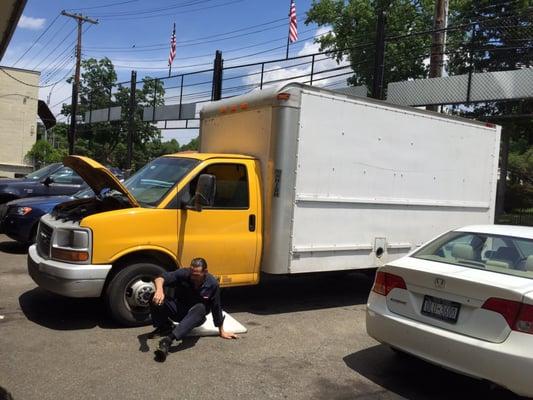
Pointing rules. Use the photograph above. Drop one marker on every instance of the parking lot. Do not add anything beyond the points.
(306, 339)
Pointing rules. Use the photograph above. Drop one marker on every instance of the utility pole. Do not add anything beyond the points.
(76, 84)
(131, 124)
(218, 68)
(436, 61)
(379, 60)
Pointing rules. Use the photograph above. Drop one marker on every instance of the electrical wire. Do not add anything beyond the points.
(46, 45)
(137, 17)
(229, 59)
(55, 48)
(36, 40)
(102, 6)
(31, 85)
(217, 35)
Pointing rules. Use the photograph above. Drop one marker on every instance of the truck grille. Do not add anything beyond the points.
(44, 239)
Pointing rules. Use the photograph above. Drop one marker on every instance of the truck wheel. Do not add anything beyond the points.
(129, 292)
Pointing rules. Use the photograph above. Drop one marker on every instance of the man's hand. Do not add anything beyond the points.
(227, 335)
(159, 295)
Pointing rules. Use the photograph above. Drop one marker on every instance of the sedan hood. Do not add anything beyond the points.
(40, 201)
(97, 176)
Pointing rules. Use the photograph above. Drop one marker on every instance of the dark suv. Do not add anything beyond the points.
(52, 180)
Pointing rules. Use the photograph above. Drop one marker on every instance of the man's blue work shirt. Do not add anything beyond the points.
(188, 295)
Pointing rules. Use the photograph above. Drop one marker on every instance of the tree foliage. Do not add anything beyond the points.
(353, 34)
(106, 142)
(42, 153)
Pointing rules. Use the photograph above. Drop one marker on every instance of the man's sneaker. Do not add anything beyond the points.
(160, 331)
(162, 352)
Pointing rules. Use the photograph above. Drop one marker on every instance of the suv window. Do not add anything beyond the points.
(65, 175)
(231, 186)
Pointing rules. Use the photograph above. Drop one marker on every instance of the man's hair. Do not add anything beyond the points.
(199, 262)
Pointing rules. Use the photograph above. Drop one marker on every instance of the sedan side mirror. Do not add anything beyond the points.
(47, 181)
(205, 192)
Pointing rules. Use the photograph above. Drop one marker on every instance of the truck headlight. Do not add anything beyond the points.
(71, 245)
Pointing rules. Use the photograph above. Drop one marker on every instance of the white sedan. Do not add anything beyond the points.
(463, 301)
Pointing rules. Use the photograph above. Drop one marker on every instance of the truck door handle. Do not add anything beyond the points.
(251, 223)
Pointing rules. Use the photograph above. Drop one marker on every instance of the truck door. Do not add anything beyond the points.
(226, 234)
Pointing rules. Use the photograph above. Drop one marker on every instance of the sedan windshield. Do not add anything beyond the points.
(152, 182)
(505, 254)
(43, 172)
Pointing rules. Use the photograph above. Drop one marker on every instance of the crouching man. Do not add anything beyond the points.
(197, 293)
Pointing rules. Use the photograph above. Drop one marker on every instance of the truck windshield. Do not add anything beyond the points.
(152, 182)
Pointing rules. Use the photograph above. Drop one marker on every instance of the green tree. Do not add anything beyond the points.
(499, 37)
(191, 146)
(42, 153)
(106, 141)
(353, 27)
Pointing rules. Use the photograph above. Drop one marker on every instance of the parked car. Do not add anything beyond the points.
(52, 180)
(19, 218)
(464, 301)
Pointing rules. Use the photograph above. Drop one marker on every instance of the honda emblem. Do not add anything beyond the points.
(440, 283)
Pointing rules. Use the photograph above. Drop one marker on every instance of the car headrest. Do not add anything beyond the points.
(463, 250)
(529, 263)
(496, 263)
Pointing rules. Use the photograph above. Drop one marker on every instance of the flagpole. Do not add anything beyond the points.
(289, 33)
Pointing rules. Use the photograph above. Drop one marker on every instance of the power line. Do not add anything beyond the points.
(187, 43)
(46, 45)
(29, 84)
(55, 48)
(102, 6)
(142, 12)
(58, 69)
(228, 51)
(118, 18)
(36, 40)
(195, 39)
(69, 46)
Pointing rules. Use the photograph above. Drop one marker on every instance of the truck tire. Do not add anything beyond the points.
(129, 291)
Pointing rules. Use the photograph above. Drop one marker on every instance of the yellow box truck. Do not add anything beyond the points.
(288, 180)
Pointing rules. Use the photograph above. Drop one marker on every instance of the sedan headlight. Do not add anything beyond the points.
(71, 245)
(22, 210)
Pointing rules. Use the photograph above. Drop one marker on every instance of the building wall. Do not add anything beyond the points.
(18, 119)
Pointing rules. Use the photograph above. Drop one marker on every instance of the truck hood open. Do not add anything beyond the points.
(97, 176)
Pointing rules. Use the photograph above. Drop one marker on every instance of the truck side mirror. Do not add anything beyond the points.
(205, 192)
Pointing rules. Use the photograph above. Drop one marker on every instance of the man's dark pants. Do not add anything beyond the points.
(188, 316)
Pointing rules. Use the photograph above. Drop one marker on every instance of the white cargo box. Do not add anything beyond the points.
(352, 182)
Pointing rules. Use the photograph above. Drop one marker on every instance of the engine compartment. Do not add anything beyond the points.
(76, 210)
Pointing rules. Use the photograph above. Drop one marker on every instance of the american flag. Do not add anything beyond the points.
(293, 28)
(172, 54)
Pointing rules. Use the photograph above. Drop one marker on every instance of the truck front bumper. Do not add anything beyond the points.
(70, 280)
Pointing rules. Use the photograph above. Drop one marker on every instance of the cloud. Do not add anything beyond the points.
(31, 23)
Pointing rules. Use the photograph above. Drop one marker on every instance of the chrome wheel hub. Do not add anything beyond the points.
(139, 293)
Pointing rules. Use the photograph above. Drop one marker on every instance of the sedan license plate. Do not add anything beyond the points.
(444, 310)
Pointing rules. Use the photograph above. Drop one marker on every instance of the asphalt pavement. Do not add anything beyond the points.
(306, 340)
